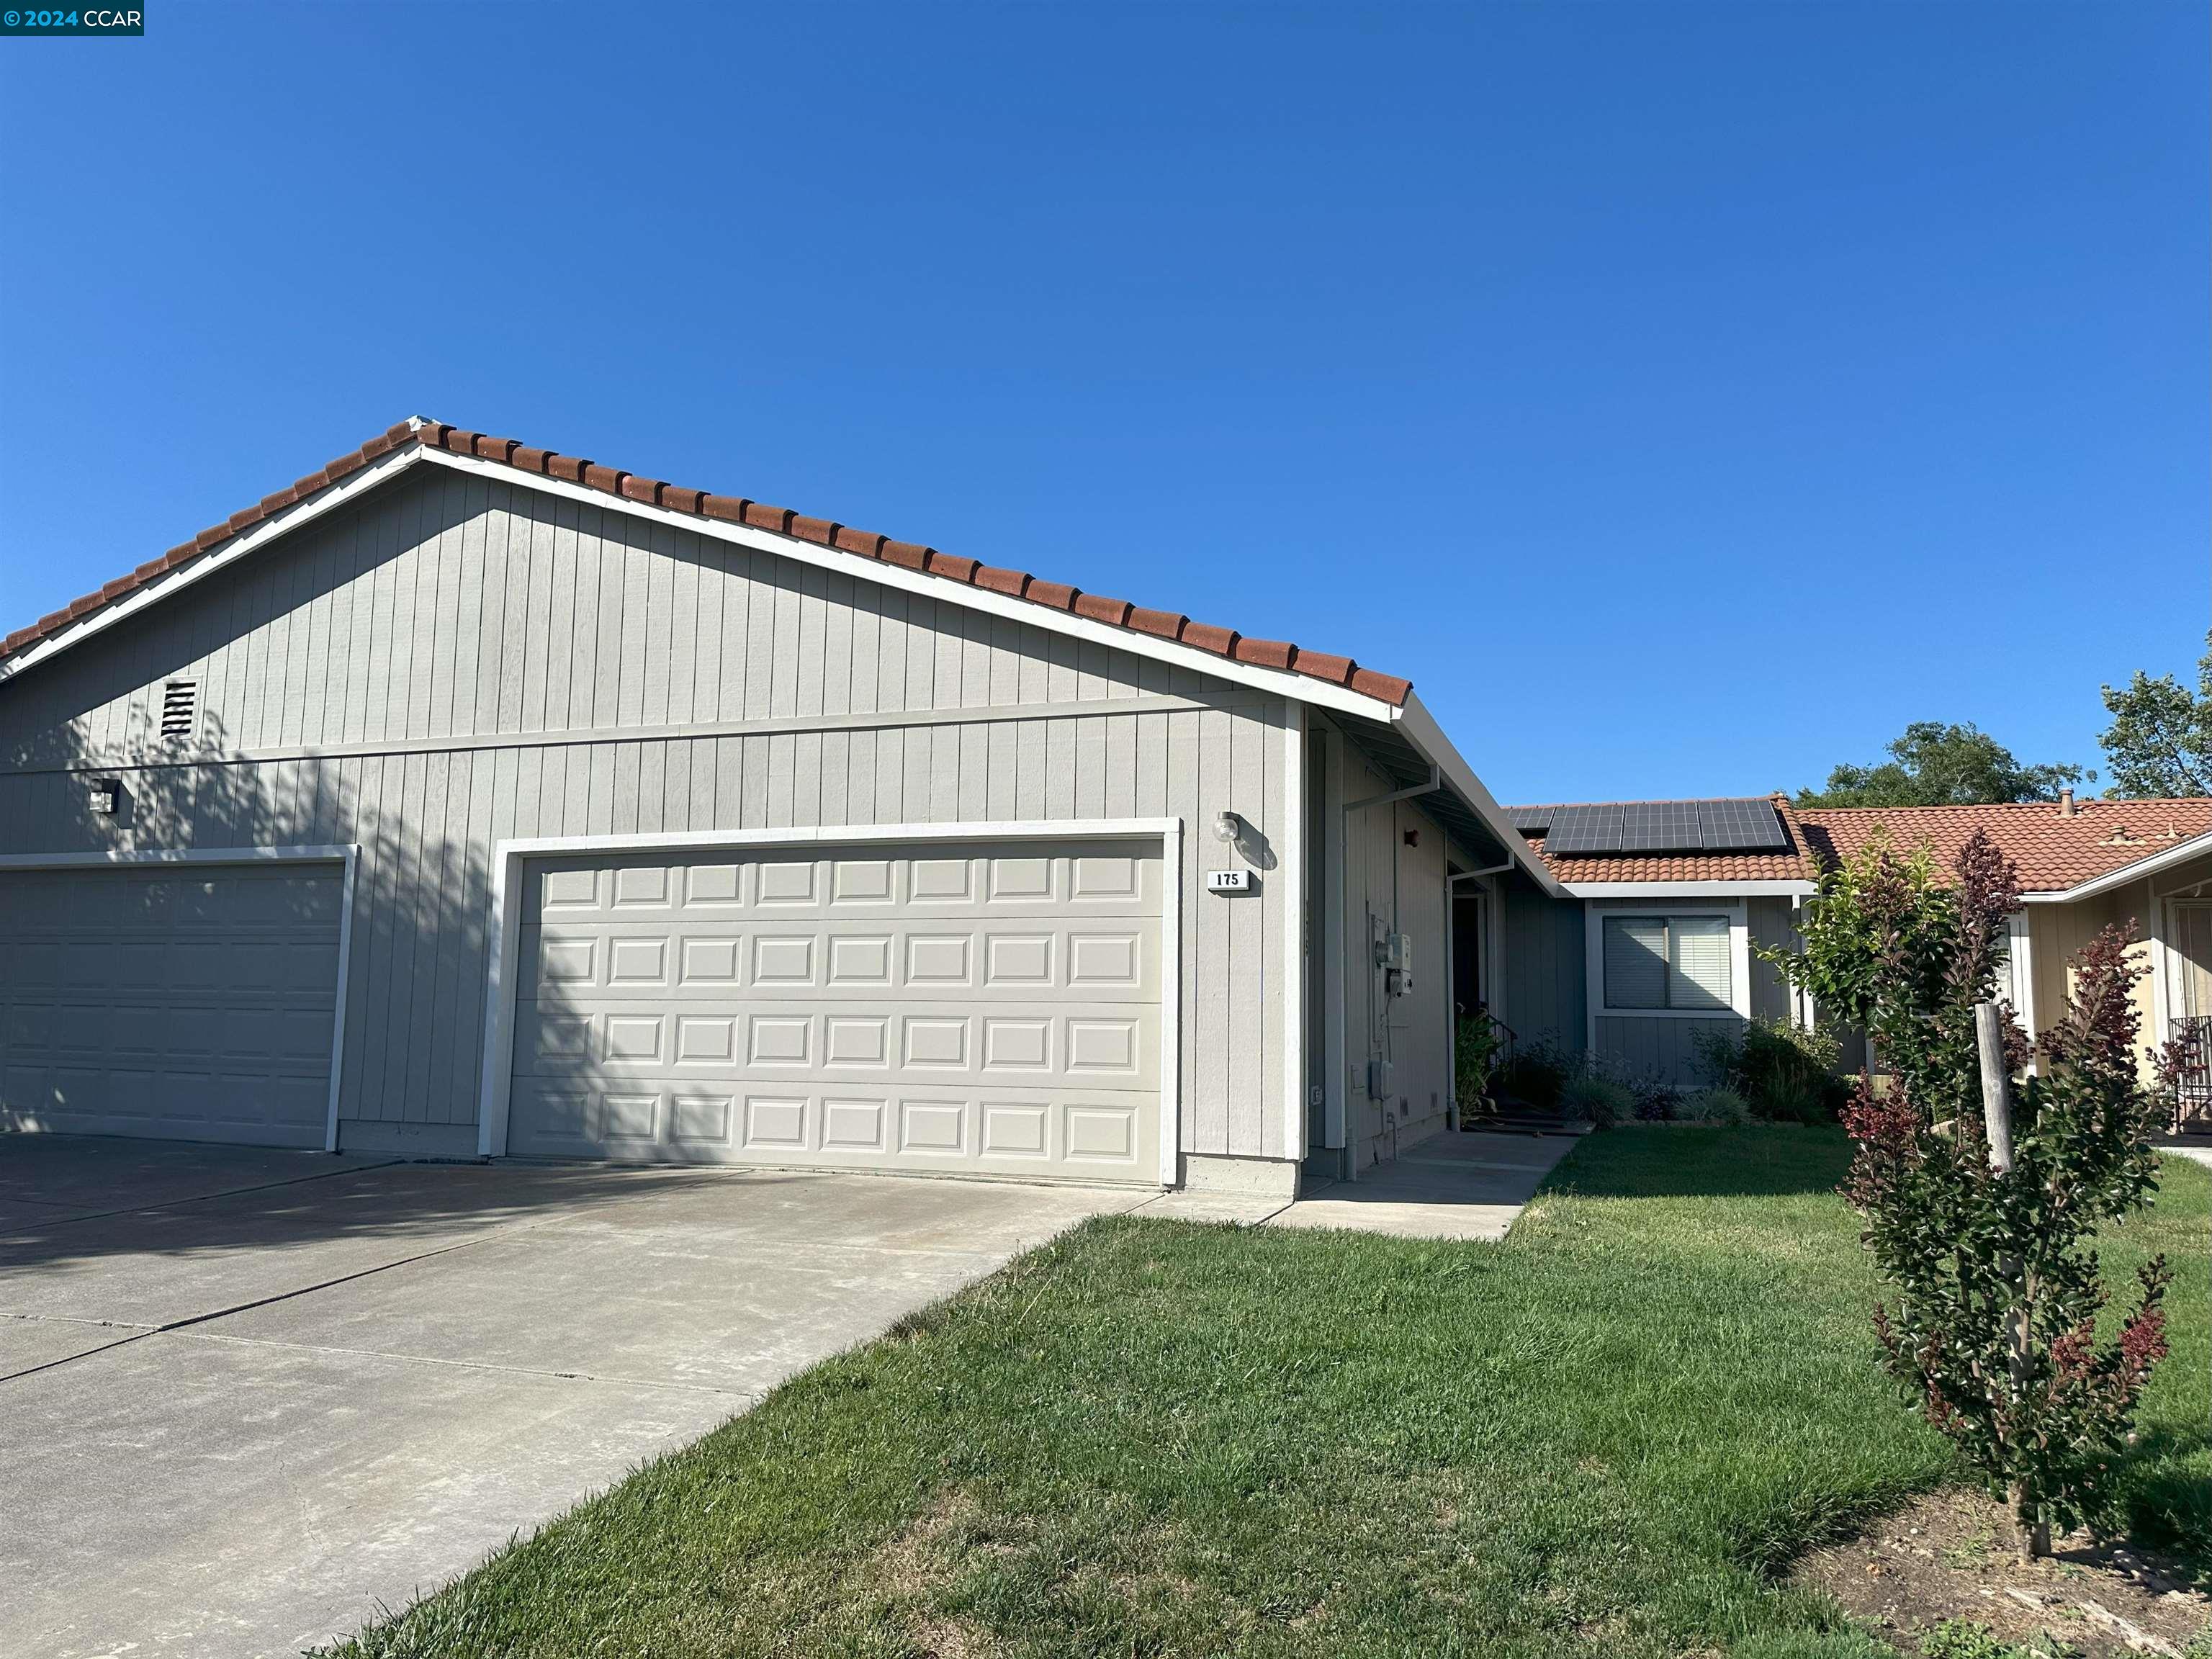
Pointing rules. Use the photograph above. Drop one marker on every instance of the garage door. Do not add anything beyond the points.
(187, 1003)
(972, 1008)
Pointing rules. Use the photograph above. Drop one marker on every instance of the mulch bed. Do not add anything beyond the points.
(1951, 1556)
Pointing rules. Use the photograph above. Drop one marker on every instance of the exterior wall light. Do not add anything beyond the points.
(1228, 828)
(104, 797)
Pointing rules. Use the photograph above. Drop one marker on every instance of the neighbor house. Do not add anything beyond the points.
(1677, 894)
(466, 798)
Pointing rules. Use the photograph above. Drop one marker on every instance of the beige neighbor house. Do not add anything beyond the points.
(462, 799)
(1668, 930)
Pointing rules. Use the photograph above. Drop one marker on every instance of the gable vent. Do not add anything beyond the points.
(180, 701)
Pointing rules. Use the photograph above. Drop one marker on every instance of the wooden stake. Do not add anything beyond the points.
(1996, 1085)
(1997, 1121)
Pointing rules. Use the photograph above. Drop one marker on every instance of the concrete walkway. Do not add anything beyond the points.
(250, 1395)
(1449, 1186)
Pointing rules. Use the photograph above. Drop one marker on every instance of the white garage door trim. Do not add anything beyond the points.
(507, 857)
(348, 856)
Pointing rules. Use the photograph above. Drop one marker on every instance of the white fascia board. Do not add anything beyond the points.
(1420, 729)
(282, 522)
(1689, 892)
(1279, 681)
(2196, 846)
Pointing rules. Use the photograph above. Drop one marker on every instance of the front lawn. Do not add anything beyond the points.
(1155, 1437)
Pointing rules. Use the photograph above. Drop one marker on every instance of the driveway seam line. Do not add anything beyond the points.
(470, 1364)
(284, 1296)
(228, 1192)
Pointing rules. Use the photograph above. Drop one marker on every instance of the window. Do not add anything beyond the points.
(1667, 962)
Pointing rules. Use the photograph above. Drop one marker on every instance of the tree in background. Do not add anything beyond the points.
(1991, 1318)
(2159, 742)
(1934, 764)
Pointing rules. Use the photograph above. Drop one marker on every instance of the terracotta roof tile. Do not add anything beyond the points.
(2054, 852)
(737, 510)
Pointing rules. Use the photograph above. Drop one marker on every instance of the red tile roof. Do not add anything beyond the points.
(2053, 852)
(1224, 643)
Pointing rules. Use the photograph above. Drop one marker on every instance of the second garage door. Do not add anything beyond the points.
(980, 1008)
(186, 1002)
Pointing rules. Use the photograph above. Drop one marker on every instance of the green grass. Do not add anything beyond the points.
(1152, 1438)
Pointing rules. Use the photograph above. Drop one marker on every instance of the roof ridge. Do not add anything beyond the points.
(1212, 639)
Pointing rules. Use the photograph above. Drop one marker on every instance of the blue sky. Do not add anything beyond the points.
(1684, 397)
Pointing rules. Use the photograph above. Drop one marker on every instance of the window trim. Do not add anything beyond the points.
(1596, 913)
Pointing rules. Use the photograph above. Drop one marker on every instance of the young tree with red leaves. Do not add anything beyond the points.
(1994, 1277)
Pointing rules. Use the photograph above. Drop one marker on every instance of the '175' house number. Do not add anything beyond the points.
(1229, 881)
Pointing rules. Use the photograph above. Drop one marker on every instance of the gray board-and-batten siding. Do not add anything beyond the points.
(450, 662)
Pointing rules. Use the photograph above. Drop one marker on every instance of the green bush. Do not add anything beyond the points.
(1474, 1060)
(1532, 1072)
(1589, 1098)
(1720, 1108)
(1785, 1074)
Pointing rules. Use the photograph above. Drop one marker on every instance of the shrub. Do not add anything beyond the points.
(1591, 1097)
(1785, 1074)
(1721, 1108)
(1992, 1327)
(1532, 1072)
(1474, 1060)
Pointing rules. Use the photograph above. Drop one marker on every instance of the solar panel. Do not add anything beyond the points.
(1660, 826)
(1584, 830)
(1663, 826)
(1741, 825)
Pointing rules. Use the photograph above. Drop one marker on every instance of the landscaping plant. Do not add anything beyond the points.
(1475, 1050)
(1992, 1322)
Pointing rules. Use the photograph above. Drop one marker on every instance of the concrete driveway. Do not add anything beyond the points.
(248, 1396)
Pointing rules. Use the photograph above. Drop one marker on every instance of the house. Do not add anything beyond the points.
(466, 798)
(1676, 894)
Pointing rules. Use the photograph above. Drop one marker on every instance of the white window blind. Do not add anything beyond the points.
(1699, 978)
(1667, 962)
(1635, 961)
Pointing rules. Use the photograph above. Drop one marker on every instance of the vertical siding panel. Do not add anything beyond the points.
(572, 655)
(867, 647)
(860, 766)
(1001, 770)
(713, 577)
(623, 807)
(426, 886)
(1090, 769)
(482, 539)
(677, 556)
(495, 700)
(752, 782)
(891, 777)
(626, 543)
(526, 615)
(809, 672)
(729, 772)
(837, 645)
(783, 783)
(1030, 770)
(652, 789)
(609, 619)
(782, 642)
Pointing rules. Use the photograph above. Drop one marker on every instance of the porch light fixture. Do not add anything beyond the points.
(1228, 828)
(105, 795)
